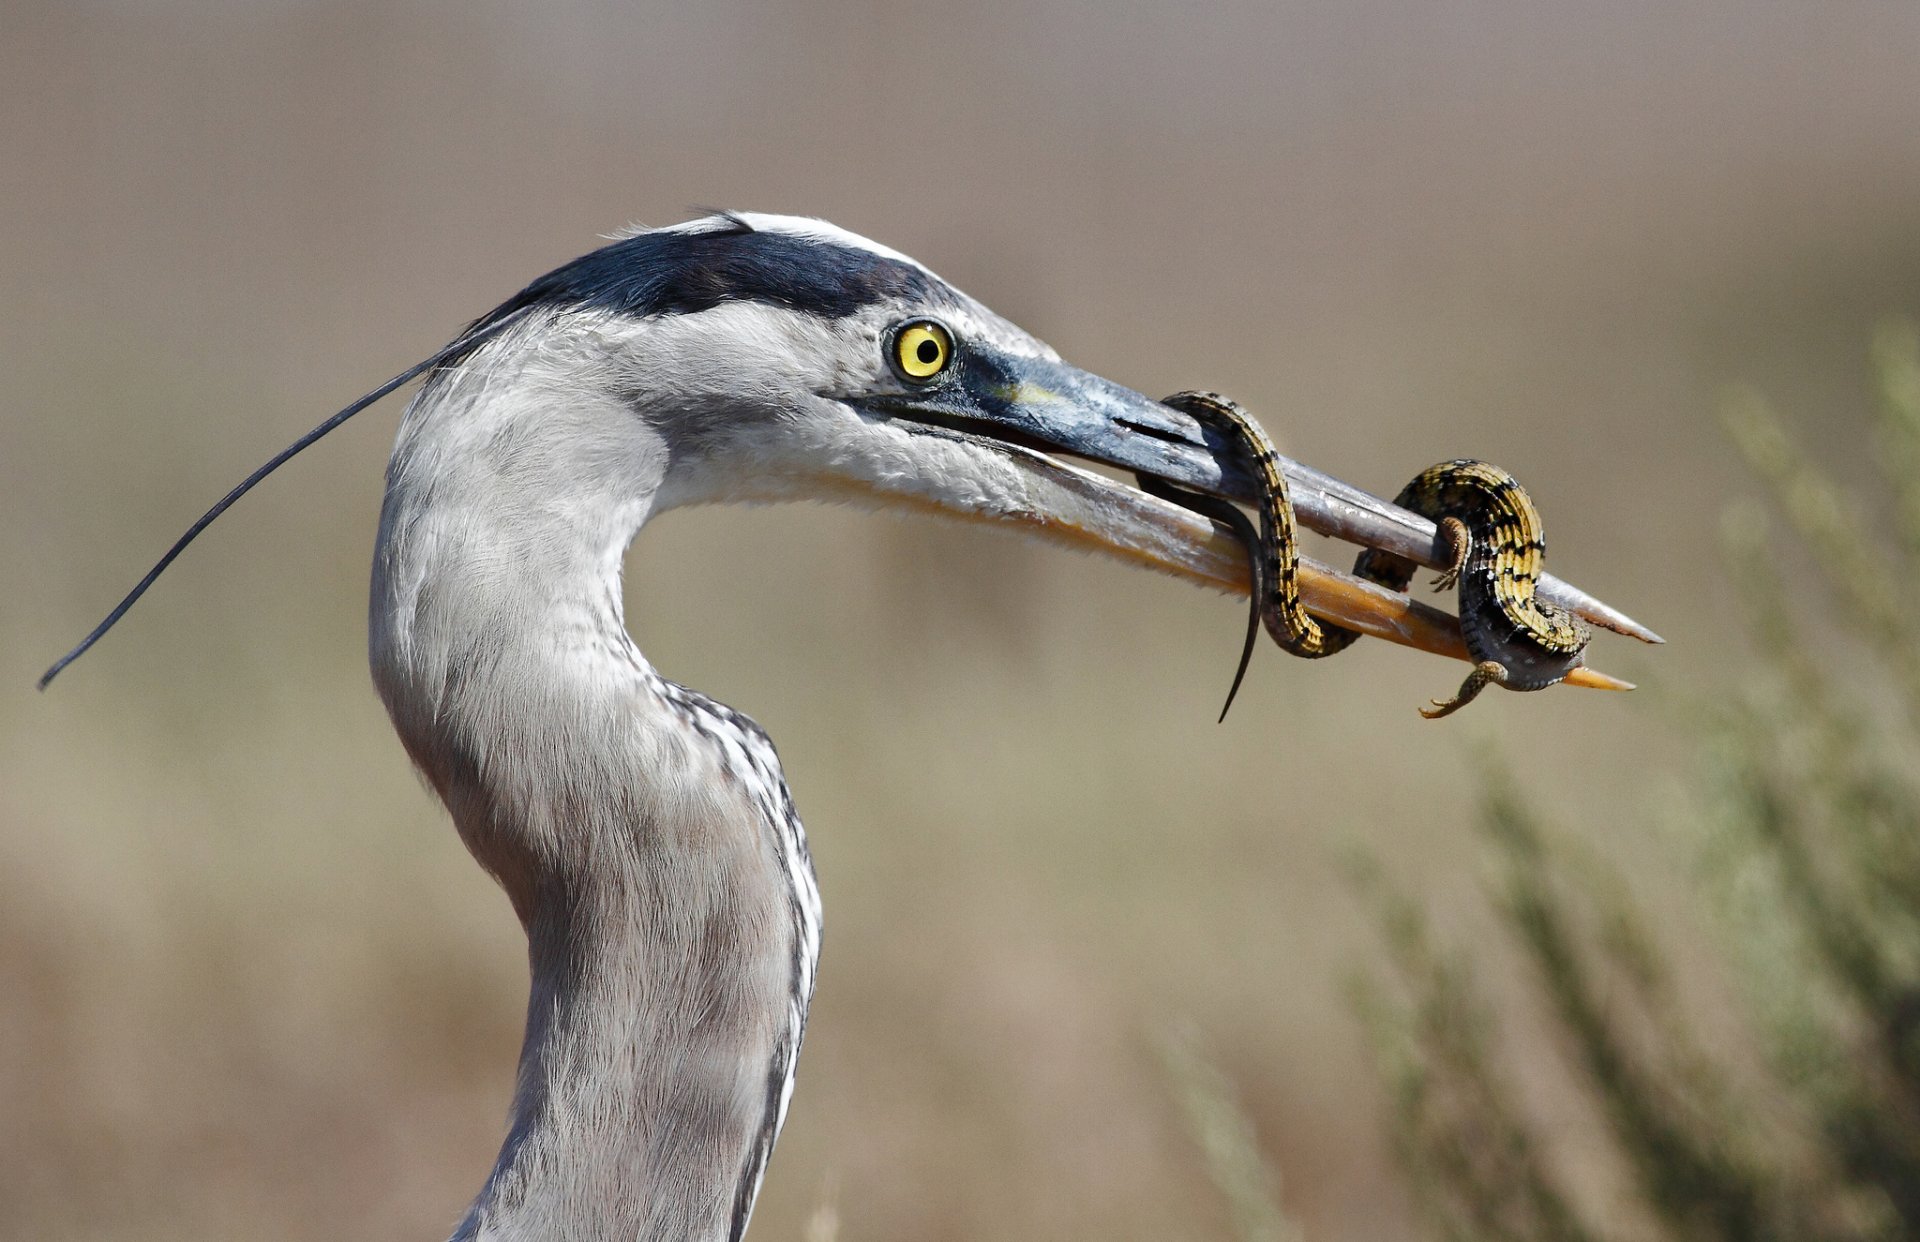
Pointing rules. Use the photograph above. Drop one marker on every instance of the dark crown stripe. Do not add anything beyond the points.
(681, 273)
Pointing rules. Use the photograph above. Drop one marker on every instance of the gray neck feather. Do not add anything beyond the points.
(655, 907)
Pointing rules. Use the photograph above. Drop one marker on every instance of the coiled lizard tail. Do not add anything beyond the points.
(1517, 640)
(1275, 555)
(1273, 550)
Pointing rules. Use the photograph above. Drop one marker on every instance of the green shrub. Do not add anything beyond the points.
(1809, 833)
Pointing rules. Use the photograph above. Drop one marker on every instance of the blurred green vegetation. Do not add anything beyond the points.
(1226, 1140)
(251, 984)
(1801, 1121)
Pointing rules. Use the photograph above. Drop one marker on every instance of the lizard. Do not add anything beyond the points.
(1492, 532)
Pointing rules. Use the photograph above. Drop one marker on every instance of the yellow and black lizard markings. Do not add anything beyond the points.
(1487, 520)
(1516, 639)
(1273, 552)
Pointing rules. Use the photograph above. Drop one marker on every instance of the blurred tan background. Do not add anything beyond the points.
(250, 984)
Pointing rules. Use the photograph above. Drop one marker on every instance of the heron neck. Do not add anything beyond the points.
(657, 915)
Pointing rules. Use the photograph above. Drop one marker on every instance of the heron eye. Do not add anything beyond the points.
(922, 349)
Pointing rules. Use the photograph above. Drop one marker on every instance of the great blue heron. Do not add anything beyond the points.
(642, 831)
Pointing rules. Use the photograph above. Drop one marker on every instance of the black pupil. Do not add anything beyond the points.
(928, 351)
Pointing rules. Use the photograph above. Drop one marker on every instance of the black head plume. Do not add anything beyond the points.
(465, 343)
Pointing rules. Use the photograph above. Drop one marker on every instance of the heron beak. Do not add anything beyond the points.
(1027, 409)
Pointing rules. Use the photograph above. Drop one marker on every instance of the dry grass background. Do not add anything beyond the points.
(250, 985)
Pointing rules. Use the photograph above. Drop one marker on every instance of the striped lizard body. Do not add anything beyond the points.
(1490, 526)
(1273, 552)
(1516, 639)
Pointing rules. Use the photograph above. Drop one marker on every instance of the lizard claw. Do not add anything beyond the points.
(1485, 673)
(1459, 545)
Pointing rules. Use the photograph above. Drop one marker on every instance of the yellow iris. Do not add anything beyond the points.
(922, 350)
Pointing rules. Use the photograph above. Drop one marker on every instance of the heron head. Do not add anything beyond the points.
(759, 358)
(746, 357)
